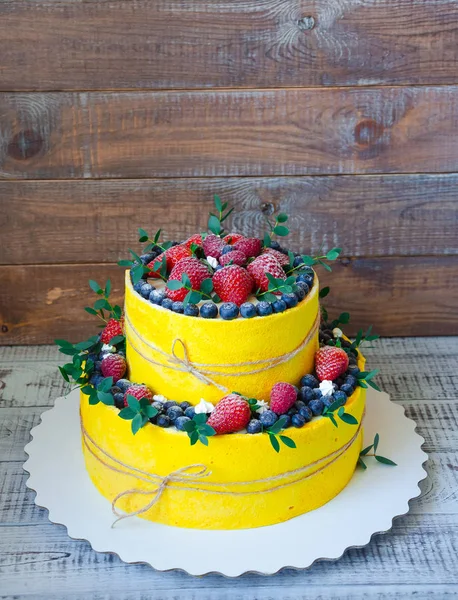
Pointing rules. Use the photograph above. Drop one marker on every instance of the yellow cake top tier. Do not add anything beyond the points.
(189, 358)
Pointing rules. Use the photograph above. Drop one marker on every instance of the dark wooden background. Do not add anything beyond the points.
(342, 113)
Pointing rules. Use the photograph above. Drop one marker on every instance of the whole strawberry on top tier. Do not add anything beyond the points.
(265, 264)
(173, 255)
(196, 271)
(233, 284)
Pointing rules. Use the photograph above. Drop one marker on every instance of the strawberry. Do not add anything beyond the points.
(113, 365)
(233, 284)
(172, 256)
(213, 245)
(232, 238)
(330, 362)
(265, 264)
(249, 246)
(282, 258)
(194, 239)
(235, 257)
(138, 391)
(194, 269)
(231, 414)
(282, 397)
(112, 329)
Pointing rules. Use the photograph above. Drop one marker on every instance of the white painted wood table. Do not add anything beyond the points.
(417, 558)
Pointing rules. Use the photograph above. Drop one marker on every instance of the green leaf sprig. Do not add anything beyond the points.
(139, 412)
(336, 409)
(276, 228)
(198, 430)
(194, 296)
(285, 286)
(138, 269)
(103, 304)
(362, 338)
(378, 457)
(215, 222)
(364, 379)
(275, 437)
(311, 261)
(101, 393)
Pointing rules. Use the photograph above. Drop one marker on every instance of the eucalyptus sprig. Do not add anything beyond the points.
(103, 304)
(137, 268)
(362, 338)
(153, 242)
(139, 412)
(275, 437)
(378, 458)
(364, 379)
(215, 222)
(198, 430)
(311, 261)
(276, 228)
(194, 296)
(337, 409)
(285, 286)
(101, 393)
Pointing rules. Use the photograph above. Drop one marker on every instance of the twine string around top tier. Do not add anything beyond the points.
(202, 370)
(188, 478)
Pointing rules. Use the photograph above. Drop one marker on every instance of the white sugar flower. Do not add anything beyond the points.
(326, 387)
(108, 348)
(203, 407)
(160, 398)
(337, 333)
(262, 406)
(212, 261)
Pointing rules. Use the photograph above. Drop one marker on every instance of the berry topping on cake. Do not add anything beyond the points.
(232, 284)
(232, 238)
(194, 269)
(262, 265)
(282, 397)
(213, 245)
(236, 257)
(194, 239)
(249, 246)
(112, 329)
(232, 413)
(282, 258)
(138, 391)
(173, 255)
(330, 362)
(113, 365)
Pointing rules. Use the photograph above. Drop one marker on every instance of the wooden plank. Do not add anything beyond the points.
(39, 303)
(255, 133)
(87, 221)
(241, 43)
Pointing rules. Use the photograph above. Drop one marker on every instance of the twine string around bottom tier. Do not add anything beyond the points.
(189, 477)
(202, 370)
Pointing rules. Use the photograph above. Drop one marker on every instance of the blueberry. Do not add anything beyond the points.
(138, 286)
(163, 421)
(208, 310)
(157, 296)
(167, 303)
(306, 277)
(290, 300)
(305, 394)
(298, 261)
(191, 310)
(286, 421)
(306, 413)
(316, 406)
(174, 412)
(115, 390)
(248, 310)
(268, 418)
(279, 306)
(169, 404)
(274, 245)
(340, 397)
(353, 370)
(184, 405)
(300, 294)
(351, 380)
(254, 426)
(123, 384)
(98, 366)
(298, 420)
(317, 393)
(292, 411)
(299, 404)
(190, 412)
(119, 400)
(229, 311)
(347, 389)
(327, 401)
(96, 379)
(180, 422)
(339, 381)
(158, 406)
(146, 290)
(178, 307)
(309, 381)
(303, 286)
(147, 258)
(264, 308)
(226, 249)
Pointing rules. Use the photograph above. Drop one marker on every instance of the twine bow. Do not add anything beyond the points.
(190, 367)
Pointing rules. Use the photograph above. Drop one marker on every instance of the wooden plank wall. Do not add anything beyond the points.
(342, 113)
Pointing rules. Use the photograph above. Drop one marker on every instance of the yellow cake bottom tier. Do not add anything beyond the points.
(249, 484)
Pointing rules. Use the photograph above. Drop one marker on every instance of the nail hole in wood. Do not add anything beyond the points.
(267, 208)
(4, 329)
(306, 23)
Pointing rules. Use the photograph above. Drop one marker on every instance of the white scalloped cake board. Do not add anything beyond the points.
(366, 506)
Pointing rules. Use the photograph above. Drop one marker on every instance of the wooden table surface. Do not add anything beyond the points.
(417, 558)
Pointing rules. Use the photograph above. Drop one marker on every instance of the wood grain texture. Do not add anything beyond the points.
(255, 133)
(95, 221)
(248, 43)
(379, 291)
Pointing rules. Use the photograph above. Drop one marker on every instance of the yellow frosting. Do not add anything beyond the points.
(216, 344)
